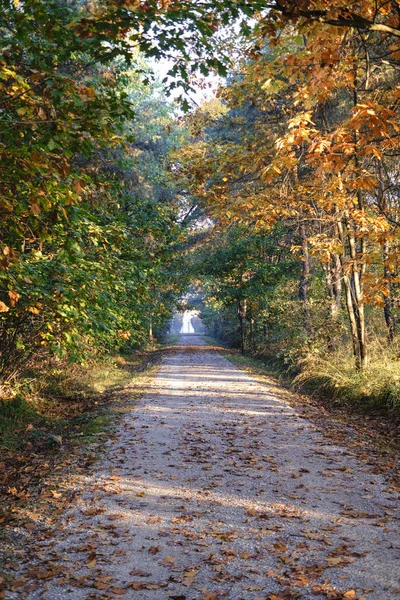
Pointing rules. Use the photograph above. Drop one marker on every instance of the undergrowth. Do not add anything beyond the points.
(376, 387)
(17, 417)
(213, 342)
(170, 340)
(334, 376)
(56, 399)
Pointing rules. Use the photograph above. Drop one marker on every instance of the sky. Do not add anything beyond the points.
(200, 93)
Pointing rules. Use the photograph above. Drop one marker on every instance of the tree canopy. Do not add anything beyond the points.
(292, 170)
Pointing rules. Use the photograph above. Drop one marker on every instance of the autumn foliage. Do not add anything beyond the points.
(305, 152)
(87, 210)
(299, 156)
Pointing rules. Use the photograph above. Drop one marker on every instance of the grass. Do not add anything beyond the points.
(170, 340)
(53, 422)
(377, 387)
(18, 416)
(60, 400)
(335, 393)
(335, 378)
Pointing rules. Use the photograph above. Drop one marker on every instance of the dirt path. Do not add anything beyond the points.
(215, 488)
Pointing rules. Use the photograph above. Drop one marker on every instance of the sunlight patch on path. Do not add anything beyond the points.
(214, 487)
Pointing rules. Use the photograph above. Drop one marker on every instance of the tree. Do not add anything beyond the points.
(315, 131)
(88, 231)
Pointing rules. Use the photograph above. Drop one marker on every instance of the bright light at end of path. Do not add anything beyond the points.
(187, 326)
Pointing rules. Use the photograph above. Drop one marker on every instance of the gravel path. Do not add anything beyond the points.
(215, 488)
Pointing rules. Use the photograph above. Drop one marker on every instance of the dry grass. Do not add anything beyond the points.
(376, 387)
(57, 398)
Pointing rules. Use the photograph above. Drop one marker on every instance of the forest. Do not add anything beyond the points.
(199, 299)
(273, 201)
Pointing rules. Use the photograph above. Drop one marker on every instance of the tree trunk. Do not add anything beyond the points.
(304, 280)
(336, 271)
(387, 311)
(265, 335)
(357, 297)
(333, 272)
(333, 280)
(352, 282)
(357, 263)
(252, 343)
(387, 298)
(242, 309)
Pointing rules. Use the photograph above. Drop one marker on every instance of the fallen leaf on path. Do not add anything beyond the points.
(188, 578)
(339, 561)
(118, 591)
(141, 585)
(168, 560)
(153, 519)
(92, 560)
(286, 594)
(253, 588)
(96, 510)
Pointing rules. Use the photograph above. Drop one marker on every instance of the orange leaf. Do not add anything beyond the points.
(14, 297)
(92, 559)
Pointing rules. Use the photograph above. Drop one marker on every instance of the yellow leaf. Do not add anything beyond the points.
(14, 297)
(78, 185)
(3, 307)
(35, 208)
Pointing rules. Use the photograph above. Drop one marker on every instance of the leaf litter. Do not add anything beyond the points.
(214, 487)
